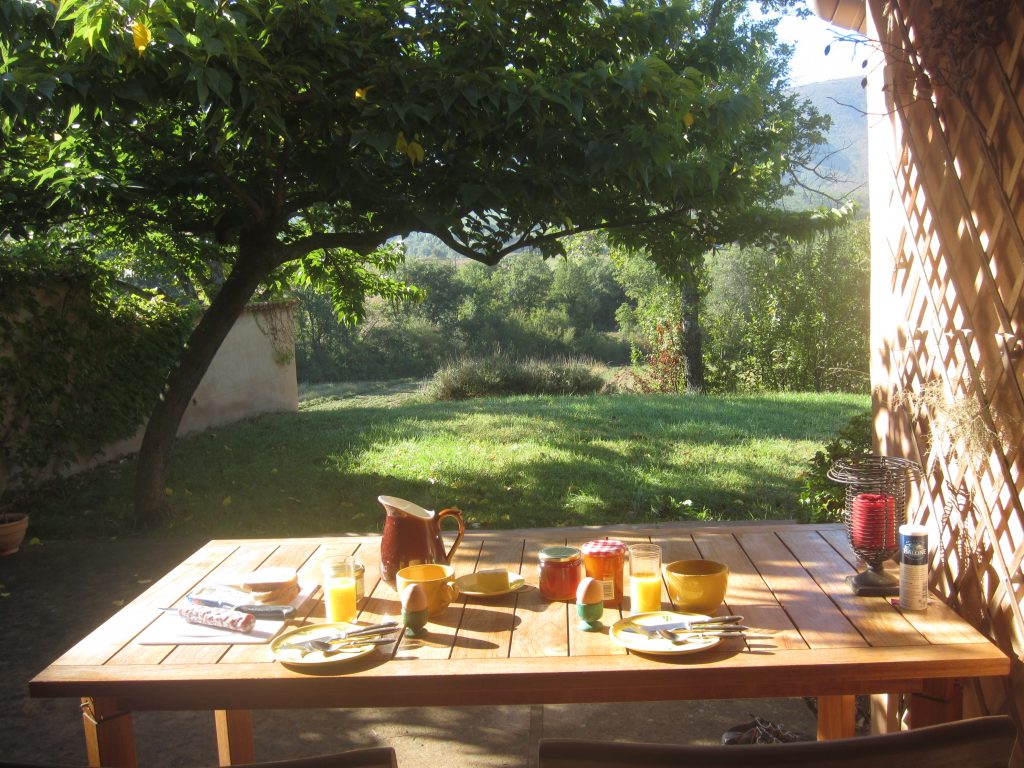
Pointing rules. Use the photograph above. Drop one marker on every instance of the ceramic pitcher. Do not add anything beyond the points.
(412, 535)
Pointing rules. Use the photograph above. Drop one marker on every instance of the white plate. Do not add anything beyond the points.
(636, 641)
(295, 657)
(467, 585)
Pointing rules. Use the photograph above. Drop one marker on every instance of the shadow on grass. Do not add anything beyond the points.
(509, 462)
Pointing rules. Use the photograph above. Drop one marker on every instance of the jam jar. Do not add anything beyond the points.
(604, 560)
(561, 570)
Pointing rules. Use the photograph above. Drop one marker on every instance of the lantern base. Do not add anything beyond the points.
(871, 583)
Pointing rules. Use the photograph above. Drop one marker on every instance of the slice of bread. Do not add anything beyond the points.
(281, 596)
(268, 580)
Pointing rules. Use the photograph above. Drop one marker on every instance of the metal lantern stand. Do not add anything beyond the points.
(875, 508)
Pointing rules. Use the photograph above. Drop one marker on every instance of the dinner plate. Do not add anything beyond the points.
(295, 657)
(467, 585)
(640, 643)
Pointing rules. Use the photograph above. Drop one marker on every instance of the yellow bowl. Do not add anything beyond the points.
(696, 586)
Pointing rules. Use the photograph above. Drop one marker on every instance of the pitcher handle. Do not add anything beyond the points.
(457, 514)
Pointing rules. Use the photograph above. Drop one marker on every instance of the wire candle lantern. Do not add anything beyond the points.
(875, 508)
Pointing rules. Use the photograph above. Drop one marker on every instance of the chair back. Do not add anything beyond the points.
(984, 742)
(373, 757)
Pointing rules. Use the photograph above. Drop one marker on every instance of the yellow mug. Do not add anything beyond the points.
(438, 583)
(696, 586)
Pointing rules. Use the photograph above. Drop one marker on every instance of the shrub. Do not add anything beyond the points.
(502, 374)
(82, 362)
(821, 498)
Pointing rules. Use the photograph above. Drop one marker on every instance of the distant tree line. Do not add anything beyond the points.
(791, 316)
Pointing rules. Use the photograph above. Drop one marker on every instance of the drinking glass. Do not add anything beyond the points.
(644, 578)
(339, 583)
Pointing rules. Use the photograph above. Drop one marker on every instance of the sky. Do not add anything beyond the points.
(810, 64)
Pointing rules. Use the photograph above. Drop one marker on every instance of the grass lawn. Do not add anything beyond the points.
(506, 462)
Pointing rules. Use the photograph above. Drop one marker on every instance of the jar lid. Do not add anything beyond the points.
(604, 548)
(558, 554)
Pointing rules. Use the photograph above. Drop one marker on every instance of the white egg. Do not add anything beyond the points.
(414, 598)
(589, 592)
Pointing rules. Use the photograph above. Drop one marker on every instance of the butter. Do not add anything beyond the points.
(492, 581)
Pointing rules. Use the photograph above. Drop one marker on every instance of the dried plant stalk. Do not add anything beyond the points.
(959, 420)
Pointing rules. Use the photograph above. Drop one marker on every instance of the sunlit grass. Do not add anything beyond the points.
(506, 462)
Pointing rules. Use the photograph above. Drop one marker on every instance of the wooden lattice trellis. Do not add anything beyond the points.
(947, 192)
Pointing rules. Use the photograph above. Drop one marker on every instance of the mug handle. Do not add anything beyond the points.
(457, 514)
(453, 591)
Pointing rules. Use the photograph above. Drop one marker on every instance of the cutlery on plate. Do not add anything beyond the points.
(374, 629)
(692, 635)
(328, 647)
(716, 622)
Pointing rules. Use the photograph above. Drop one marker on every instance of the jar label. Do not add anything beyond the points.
(608, 588)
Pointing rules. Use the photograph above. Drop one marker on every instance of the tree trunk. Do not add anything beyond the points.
(692, 336)
(195, 359)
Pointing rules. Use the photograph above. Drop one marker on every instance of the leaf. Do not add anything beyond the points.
(141, 36)
(688, 119)
(226, 502)
(415, 152)
(401, 145)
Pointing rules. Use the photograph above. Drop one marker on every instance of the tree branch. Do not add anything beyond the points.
(214, 165)
(527, 241)
(358, 242)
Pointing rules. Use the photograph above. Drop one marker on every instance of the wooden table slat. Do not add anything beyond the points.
(486, 628)
(593, 642)
(541, 627)
(877, 621)
(820, 623)
(108, 639)
(749, 596)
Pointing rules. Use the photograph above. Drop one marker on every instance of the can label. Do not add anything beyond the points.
(913, 567)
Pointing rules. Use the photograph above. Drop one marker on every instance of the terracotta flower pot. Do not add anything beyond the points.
(12, 530)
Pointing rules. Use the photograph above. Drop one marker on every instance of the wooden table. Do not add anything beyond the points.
(787, 580)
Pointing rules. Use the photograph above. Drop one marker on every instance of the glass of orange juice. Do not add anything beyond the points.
(644, 578)
(339, 583)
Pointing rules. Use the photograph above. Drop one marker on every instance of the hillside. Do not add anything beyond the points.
(845, 157)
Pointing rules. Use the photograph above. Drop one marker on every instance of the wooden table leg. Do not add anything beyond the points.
(940, 701)
(836, 716)
(234, 736)
(109, 736)
(885, 714)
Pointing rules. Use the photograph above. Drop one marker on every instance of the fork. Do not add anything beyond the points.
(678, 639)
(326, 647)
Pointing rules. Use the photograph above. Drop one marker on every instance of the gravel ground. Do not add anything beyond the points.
(53, 594)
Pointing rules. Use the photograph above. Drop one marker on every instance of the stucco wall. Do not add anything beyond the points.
(253, 373)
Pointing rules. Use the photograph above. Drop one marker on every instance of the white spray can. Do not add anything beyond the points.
(913, 567)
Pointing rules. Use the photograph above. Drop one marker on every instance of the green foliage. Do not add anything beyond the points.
(525, 306)
(82, 362)
(490, 126)
(502, 374)
(822, 499)
(793, 316)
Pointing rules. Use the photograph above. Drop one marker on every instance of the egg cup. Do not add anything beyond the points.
(590, 616)
(415, 622)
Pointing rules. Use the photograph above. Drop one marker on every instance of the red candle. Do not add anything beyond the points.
(873, 521)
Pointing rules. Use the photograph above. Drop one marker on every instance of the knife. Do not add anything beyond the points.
(362, 632)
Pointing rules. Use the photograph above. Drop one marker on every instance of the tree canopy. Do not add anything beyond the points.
(196, 137)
